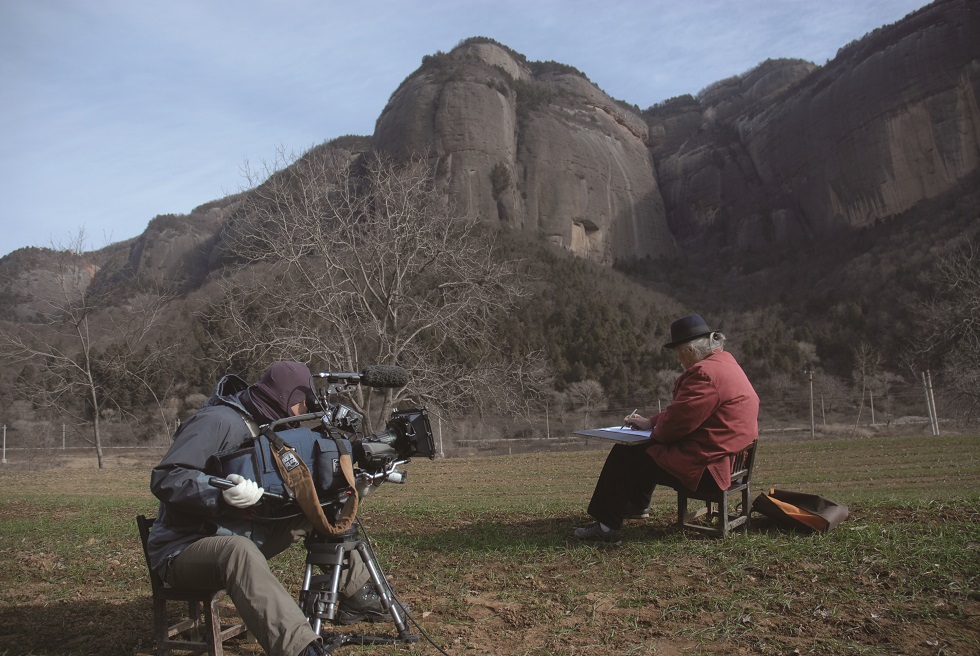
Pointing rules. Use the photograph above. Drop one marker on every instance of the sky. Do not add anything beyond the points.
(115, 111)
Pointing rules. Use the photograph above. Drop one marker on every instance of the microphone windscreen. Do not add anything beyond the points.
(381, 375)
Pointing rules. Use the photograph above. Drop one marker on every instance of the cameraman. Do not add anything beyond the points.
(204, 537)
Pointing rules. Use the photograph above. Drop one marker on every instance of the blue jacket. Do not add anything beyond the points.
(190, 508)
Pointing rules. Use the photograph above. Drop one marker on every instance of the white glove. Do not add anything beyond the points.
(245, 493)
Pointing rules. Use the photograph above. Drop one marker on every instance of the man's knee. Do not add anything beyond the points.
(213, 561)
(239, 554)
(238, 549)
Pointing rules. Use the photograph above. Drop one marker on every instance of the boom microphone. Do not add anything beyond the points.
(381, 375)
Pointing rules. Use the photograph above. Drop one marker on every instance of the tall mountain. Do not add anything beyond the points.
(779, 156)
(536, 146)
(789, 150)
(776, 156)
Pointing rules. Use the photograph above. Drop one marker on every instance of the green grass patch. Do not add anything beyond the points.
(480, 550)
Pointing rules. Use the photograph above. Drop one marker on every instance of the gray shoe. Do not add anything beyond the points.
(594, 533)
(363, 606)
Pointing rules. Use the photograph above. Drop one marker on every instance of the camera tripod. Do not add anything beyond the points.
(319, 596)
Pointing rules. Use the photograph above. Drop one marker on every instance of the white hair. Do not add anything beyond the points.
(705, 345)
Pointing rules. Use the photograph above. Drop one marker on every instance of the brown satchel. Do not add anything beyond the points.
(299, 482)
(801, 511)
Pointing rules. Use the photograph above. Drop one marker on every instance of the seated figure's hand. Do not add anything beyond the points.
(245, 493)
(638, 422)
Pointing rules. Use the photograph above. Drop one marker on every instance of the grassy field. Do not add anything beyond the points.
(479, 549)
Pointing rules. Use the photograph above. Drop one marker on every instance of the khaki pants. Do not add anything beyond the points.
(241, 567)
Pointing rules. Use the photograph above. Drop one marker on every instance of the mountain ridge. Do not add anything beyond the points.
(745, 166)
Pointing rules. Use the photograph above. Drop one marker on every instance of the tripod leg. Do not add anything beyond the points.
(318, 599)
(381, 586)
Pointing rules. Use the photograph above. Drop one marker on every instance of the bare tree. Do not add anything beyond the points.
(353, 260)
(141, 357)
(948, 339)
(665, 380)
(587, 396)
(867, 361)
(67, 342)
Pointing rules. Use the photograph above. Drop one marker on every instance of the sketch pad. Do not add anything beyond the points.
(617, 434)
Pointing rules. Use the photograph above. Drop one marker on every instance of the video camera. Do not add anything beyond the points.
(338, 427)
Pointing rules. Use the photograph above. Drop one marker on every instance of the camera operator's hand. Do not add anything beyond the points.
(245, 493)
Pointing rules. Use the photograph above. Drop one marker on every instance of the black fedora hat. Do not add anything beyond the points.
(687, 328)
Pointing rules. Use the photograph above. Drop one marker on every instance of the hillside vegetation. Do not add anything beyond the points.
(825, 218)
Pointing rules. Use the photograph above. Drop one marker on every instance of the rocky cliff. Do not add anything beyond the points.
(774, 157)
(891, 121)
(534, 146)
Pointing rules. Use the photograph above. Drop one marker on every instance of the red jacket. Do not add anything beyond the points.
(714, 413)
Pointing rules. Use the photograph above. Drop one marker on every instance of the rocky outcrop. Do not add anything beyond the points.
(778, 156)
(29, 276)
(891, 121)
(790, 151)
(174, 250)
(536, 147)
(716, 200)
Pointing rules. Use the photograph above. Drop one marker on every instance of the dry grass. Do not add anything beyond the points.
(479, 549)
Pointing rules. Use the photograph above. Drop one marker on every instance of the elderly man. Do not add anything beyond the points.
(204, 537)
(714, 414)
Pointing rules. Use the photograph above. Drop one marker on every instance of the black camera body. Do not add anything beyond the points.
(375, 457)
(407, 434)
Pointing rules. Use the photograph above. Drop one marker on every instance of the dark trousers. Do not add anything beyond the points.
(240, 566)
(627, 481)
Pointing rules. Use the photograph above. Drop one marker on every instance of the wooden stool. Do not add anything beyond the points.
(741, 486)
(203, 622)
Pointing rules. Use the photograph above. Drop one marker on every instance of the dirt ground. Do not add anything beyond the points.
(489, 573)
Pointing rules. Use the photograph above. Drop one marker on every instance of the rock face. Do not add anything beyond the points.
(535, 147)
(790, 151)
(174, 251)
(30, 275)
(775, 157)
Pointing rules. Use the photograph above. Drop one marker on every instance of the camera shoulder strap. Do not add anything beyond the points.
(296, 475)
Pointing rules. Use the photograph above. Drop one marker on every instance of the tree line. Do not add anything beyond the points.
(344, 259)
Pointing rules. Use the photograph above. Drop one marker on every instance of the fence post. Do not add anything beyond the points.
(5, 444)
(932, 404)
(812, 429)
